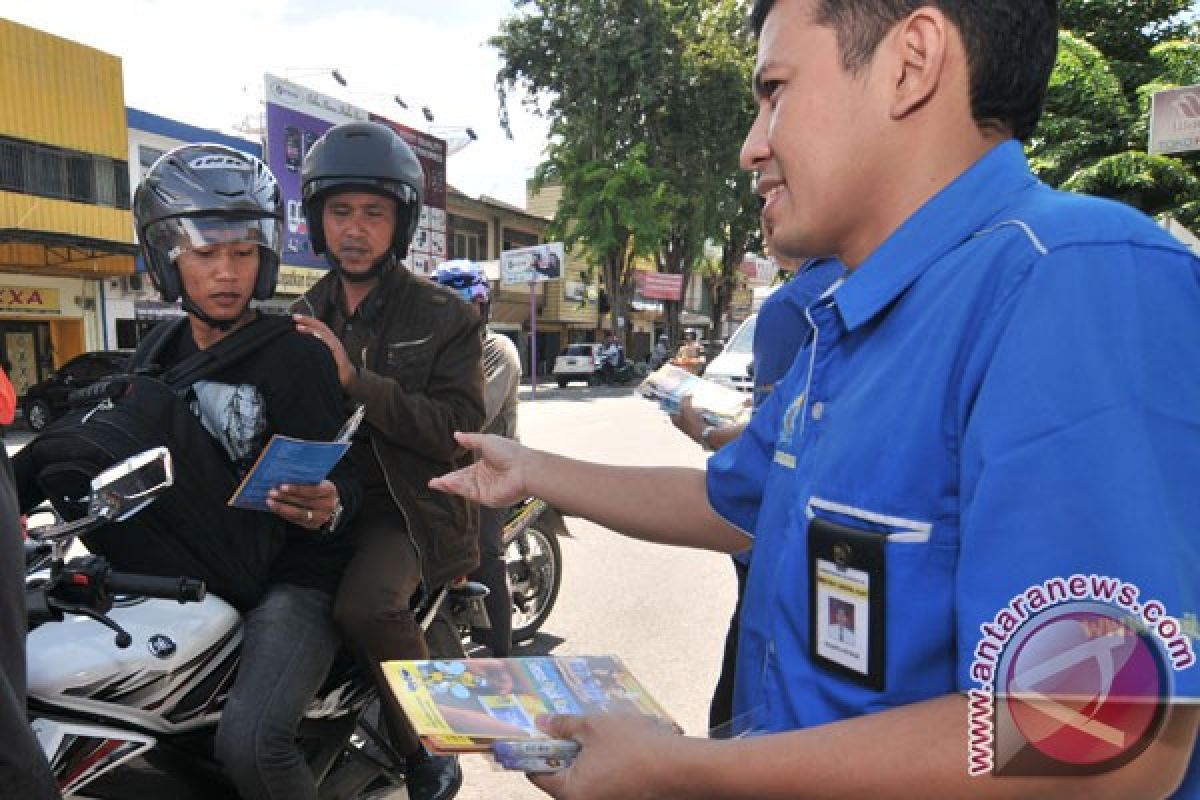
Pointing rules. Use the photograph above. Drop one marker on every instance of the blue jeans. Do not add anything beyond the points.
(289, 645)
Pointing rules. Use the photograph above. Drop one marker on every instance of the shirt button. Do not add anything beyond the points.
(818, 411)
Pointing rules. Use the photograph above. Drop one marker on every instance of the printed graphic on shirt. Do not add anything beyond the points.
(234, 415)
(782, 456)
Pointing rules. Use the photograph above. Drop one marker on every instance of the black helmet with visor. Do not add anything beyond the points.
(204, 194)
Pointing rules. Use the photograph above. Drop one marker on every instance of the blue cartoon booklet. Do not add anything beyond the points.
(286, 459)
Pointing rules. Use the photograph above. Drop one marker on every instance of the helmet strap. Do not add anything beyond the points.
(222, 325)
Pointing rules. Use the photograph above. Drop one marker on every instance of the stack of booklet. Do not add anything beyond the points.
(719, 405)
(490, 705)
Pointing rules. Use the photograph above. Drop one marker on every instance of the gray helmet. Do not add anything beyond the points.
(201, 194)
(363, 157)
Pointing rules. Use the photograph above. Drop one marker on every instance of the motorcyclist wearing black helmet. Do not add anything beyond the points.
(209, 220)
(409, 350)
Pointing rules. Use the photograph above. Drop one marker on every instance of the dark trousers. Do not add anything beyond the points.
(720, 712)
(373, 608)
(493, 573)
(24, 772)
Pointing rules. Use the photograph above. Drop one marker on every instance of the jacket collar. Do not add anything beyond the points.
(326, 296)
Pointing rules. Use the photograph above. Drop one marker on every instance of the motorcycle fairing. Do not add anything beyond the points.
(79, 753)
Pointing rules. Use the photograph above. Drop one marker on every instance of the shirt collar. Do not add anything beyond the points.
(953, 215)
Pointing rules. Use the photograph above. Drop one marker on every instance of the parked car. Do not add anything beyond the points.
(47, 400)
(578, 362)
(731, 367)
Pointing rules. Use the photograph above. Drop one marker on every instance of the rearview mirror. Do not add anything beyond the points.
(130, 485)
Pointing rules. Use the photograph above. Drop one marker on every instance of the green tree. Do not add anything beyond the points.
(1113, 55)
(670, 77)
(616, 210)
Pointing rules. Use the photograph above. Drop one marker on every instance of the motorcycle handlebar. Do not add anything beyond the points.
(185, 590)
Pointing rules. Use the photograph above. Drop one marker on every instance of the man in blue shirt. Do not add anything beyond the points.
(985, 455)
(779, 332)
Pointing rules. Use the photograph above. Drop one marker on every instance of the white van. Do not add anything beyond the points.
(730, 368)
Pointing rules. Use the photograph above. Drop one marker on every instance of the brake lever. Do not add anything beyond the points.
(122, 638)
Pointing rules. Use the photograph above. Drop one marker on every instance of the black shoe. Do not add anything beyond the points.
(433, 778)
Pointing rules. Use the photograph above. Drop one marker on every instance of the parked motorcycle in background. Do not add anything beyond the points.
(533, 557)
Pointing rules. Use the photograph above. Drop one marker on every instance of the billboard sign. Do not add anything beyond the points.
(1175, 121)
(536, 264)
(759, 271)
(296, 118)
(659, 285)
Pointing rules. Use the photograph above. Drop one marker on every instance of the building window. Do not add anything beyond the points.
(468, 238)
(514, 239)
(12, 166)
(45, 171)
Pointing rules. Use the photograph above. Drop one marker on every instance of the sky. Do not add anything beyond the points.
(203, 63)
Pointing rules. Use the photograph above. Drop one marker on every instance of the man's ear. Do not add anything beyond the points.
(919, 47)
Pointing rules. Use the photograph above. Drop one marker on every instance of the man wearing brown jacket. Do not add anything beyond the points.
(409, 350)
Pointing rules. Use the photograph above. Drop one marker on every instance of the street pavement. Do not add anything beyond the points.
(663, 610)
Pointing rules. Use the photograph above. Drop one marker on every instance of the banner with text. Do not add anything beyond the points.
(1175, 121)
(659, 285)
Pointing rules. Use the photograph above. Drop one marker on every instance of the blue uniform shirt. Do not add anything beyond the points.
(782, 327)
(1009, 386)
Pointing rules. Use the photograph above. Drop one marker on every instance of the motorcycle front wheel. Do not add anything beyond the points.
(534, 561)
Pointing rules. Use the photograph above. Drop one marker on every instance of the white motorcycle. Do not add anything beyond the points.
(126, 686)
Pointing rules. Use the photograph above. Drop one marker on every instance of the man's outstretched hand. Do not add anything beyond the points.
(496, 479)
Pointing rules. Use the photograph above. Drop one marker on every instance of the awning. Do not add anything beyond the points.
(64, 254)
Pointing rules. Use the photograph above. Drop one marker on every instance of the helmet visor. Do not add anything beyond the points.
(176, 235)
(476, 293)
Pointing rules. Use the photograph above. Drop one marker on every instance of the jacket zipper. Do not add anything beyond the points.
(387, 479)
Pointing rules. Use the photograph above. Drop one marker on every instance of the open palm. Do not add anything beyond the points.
(496, 478)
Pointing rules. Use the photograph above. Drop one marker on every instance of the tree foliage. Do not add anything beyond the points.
(1113, 55)
(651, 94)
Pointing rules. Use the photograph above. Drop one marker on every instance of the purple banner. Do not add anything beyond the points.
(290, 134)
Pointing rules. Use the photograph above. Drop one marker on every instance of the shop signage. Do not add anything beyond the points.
(29, 300)
(659, 285)
(1175, 120)
(297, 280)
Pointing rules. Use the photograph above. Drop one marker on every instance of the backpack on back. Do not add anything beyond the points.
(189, 530)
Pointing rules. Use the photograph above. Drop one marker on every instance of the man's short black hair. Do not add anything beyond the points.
(1011, 46)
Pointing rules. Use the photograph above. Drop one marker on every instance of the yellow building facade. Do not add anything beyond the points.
(64, 196)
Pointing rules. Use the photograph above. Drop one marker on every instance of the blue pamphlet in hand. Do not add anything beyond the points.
(296, 461)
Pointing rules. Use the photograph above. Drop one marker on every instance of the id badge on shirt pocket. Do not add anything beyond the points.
(847, 601)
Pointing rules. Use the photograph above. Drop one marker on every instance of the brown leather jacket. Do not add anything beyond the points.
(421, 379)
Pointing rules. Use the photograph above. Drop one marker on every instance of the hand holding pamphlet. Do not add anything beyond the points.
(489, 705)
(286, 459)
(720, 405)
